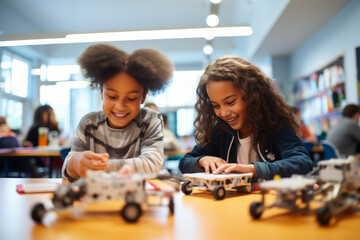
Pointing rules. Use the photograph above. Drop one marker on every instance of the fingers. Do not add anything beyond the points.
(125, 171)
(210, 164)
(231, 168)
(95, 161)
(216, 165)
(103, 157)
(220, 169)
(206, 167)
(227, 168)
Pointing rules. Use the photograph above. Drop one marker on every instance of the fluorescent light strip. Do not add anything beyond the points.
(27, 42)
(137, 35)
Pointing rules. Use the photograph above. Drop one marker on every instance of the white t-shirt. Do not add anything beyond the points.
(246, 152)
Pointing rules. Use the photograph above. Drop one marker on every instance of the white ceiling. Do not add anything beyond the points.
(280, 26)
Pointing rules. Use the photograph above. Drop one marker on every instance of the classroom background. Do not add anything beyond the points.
(310, 48)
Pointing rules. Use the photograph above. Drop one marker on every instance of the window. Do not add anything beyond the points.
(13, 112)
(83, 101)
(71, 100)
(14, 88)
(181, 91)
(15, 74)
(185, 121)
(62, 73)
(180, 97)
(59, 99)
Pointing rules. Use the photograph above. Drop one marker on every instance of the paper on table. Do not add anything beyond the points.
(37, 187)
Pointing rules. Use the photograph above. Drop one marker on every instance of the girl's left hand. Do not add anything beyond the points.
(125, 171)
(237, 168)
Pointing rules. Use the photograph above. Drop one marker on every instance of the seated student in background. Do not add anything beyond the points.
(345, 135)
(123, 132)
(44, 116)
(8, 139)
(170, 141)
(151, 106)
(302, 131)
(243, 125)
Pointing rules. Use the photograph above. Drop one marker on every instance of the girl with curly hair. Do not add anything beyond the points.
(123, 132)
(243, 125)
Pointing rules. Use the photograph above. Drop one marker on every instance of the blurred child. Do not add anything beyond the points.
(8, 139)
(170, 141)
(243, 125)
(123, 132)
(345, 135)
(152, 106)
(44, 116)
(4, 127)
(302, 131)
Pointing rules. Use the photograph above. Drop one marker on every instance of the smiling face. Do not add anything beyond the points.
(122, 96)
(229, 106)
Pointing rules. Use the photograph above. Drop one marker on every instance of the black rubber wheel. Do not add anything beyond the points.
(38, 212)
(64, 196)
(323, 215)
(68, 200)
(171, 205)
(131, 212)
(186, 188)
(219, 192)
(246, 188)
(256, 209)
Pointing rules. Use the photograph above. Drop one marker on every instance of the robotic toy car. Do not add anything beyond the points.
(217, 184)
(337, 185)
(100, 186)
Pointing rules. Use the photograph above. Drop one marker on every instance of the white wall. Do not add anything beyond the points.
(341, 35)
(262, 9)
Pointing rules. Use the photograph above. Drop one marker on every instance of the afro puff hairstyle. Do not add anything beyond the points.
(151, 68)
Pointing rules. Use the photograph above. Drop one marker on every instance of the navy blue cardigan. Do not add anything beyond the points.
(283, 154)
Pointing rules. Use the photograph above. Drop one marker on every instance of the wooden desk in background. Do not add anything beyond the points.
(175, 153)
(198, 216)
(28, 153)
(319, 149)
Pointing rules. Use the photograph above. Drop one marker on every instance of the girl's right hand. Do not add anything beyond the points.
(81, 162)
(211, 163)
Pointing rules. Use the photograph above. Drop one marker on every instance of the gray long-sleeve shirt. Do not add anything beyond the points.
(345, 135)
(139, 145)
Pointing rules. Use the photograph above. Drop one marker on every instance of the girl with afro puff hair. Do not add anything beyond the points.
(243, 125)
(123, 133)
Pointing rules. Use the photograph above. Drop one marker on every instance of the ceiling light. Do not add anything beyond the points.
(36, 71)
(233, 31)
(215, 1)
(212, 20)
(27, 42)
(208, 49)
(73, 84)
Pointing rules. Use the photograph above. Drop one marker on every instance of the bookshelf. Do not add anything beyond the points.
(320, 96)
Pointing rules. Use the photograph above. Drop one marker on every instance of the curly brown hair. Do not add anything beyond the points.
(151, 68)
(266, 108)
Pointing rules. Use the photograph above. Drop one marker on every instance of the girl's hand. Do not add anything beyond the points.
(81, 162)
(237, 168)
(211, 163)
(125, 171)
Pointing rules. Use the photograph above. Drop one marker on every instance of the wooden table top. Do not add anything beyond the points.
(197, 216)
